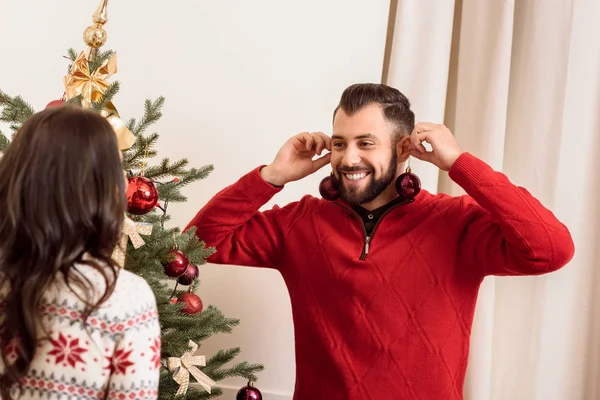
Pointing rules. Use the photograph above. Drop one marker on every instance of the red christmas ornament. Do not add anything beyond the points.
(193, 303)
(142, 195)
(190, 274)
(249, 392)
(178, 266)
(408, 185)
(55, 103)
(328, 188)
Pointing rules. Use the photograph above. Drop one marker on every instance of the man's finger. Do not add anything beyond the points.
(425, 156)
(321, 162)
(319, 142)
(425, 126)
(301, 136)
(326, 140)
(309, 142)
(415, 140)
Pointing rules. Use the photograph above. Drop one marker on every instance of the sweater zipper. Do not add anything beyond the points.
(368, 238)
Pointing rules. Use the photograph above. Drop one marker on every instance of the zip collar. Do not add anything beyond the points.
(368, 238)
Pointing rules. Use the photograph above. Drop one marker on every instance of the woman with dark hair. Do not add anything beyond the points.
(72, 323)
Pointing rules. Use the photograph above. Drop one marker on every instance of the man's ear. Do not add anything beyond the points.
(403, 149)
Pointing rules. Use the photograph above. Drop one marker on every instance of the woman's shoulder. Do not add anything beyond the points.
(130, 307)
(131, 295)
(133, 289)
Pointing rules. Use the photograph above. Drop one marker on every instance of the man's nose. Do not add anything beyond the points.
(351, 157)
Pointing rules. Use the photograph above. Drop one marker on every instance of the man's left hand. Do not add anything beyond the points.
(445, 149)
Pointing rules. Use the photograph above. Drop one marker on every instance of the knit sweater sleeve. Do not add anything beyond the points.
(508, 231)
(241, 234)
(135, 362)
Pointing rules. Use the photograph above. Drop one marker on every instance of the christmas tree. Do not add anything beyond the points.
(167, 258)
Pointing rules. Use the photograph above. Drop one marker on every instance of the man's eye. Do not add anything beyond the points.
(338, 144)
(366, 144)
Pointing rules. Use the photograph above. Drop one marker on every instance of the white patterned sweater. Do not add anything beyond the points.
(116, 356)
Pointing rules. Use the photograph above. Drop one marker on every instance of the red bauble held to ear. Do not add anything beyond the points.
(408, 185)
(328, 188)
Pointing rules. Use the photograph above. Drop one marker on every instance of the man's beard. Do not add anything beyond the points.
(357, 196)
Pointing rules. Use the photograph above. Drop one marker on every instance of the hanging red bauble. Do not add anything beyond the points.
(193, 303)
(408, 185)
(55, 103)
(249, 392)
(177, 266)
(142, 195)
(190, 274)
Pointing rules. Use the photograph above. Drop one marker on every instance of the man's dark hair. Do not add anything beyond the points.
(395, 105)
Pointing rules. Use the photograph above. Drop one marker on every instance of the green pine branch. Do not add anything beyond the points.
(152, 113)
(100, 58)
(107, 96)
(3, 141)
(72, 53)
(15, 110)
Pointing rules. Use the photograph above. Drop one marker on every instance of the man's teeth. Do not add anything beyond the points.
(355, 177)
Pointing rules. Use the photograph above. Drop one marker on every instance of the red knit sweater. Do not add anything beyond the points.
(394, 324)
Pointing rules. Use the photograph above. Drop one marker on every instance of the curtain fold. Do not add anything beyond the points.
(519, 85)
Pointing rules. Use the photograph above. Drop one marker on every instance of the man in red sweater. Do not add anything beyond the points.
(383, 277)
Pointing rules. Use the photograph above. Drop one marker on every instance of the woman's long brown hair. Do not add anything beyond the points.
(61, 197)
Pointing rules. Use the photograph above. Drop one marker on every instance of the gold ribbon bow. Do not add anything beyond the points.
(91, 86)
(131, 230)
(187, 365)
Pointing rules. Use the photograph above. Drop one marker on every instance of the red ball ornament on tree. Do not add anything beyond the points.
(249, 392)
(190, 274)
(55, 103)
(142, 195)
(177, 266)
(193, 303)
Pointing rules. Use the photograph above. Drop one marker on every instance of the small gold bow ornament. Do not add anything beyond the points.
(131, 230)
(91, 88)
(187, 365)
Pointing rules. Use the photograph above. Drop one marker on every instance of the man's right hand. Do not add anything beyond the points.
(294, 160)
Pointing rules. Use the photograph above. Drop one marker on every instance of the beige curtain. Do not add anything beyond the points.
(518, 82)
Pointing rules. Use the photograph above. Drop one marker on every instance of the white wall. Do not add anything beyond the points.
(239, 77)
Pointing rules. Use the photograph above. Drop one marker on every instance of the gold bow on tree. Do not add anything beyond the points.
(91, 88)
(131, 230)
(187, 365)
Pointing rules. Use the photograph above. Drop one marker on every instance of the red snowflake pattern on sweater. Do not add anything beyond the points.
(155, 347)
(67, 351)
(119, 362)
